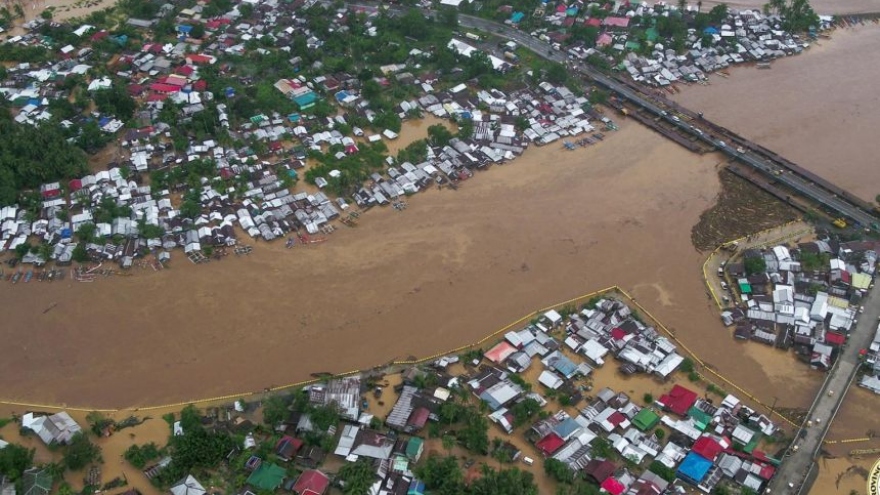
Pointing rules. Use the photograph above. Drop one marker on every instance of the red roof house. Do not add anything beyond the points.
(200, 85)
(678, 400)
(197, 59)
(164, 88)
(593, 22)
(708, 448)
(599, 471)
(835, 338)
(550, 444)
(185, 70)
(613, 486)
(311, 482)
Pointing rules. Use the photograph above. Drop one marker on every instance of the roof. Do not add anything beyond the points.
(500, 352)
(419, 417)
(311, 481)
(678, 400)
(267, 477)
(550, 444)
(188, 486)
(37, 482)
(707, 447)
(835, 338)
(613, 486)
(700, 417)
(413, 447)
(694, 468)
(646, 419)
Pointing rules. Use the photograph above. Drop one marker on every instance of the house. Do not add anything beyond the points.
(58, 428)
(344, 392)
(646, 419)
(679, 400)
(36, 481)
(599, 470)
(267, 477)
(694, 468)
(311, 482)
(414, 448)
(287, 448)
(188, 486)
(311, 456)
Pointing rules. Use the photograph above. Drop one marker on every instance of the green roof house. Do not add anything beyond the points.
(414, 448)
(646, 419)
(267, 477)
(701, 418)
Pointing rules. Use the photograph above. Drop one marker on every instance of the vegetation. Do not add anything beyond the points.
(798, 15)
(687, 365)
(755, 265)
(14, 460)
(196, 449)
(81, 452)
(523, 411)
(31, 156)
(276, 409)
(558, 470)
(356, 477)
(441, 475)
(662, 471)
(139, 455)
(648, 398)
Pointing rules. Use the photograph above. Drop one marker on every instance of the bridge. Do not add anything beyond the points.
(797, 472)
(832, 198)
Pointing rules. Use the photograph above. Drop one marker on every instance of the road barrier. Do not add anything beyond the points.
(631, 301)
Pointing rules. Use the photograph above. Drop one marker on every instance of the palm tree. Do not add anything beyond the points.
(682, 5)
(699, 5)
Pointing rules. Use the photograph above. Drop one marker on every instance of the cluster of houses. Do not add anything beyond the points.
(264, 207)
(744, 36)
(811, 308)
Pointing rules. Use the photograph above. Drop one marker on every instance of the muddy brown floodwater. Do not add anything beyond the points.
(451, 268)
(820, 110)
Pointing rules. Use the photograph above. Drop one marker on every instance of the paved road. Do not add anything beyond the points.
(790, 475)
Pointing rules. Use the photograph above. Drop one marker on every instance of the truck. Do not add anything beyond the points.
(511, 57)
(472, 36)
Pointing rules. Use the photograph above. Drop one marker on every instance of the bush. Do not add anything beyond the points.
(687, 365)
(648, 398)
(139, 455)
(81, 452)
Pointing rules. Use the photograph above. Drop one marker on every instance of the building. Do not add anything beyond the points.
(311, 482)
(188, 486)
(58, 428)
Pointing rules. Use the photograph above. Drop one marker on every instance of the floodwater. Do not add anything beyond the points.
(451, 268)
(820, 109)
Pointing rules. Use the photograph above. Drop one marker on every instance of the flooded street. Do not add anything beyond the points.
(820, 109)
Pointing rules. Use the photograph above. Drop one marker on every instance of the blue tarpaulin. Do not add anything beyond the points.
(517, 17)
(694, 468)
(710, 30)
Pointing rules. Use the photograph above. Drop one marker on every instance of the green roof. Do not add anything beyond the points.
(749, 447)
(646, 419)
(37, 482)
(652, 35)
(745, 288)
(632, 45)
(267, 477)
(414, 447)
(701, 419)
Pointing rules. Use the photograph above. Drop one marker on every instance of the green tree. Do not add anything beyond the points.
(662, 471)
(558, 470)
(755, 265)
(648, 398)
(718, 13)
(475, 434)
(275, 409)
(357, 477)
(14, 460)
(198, 31)
(139, 455)
(81, 452)
(602, 448)
(523, 411)
(557, 73)
(441, 475)
(511, 481)
(439, 135)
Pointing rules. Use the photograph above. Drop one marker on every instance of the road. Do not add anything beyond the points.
(790, 475)
(778, 172)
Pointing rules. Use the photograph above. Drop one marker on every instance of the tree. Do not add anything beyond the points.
(718, 13)
(648, 398)
(441, 475)
(682, 5)
(81, 452)
(557, 74)
(86, 232)
(511, 481)
(14, 460)
(448, 442)
(474, 436)
(755, 265)
(558, 470)
(699, 5)
(523, 411)
(439, 135)
(602, 448)
(198, 31)
(46, 14)
(80, 255)
(662, 471)
(275, 409)
(139, 455)
(356, 477)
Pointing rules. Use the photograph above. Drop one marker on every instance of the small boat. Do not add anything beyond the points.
(763, 65)
(61, 274)
(28, 276)
(16, 277)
